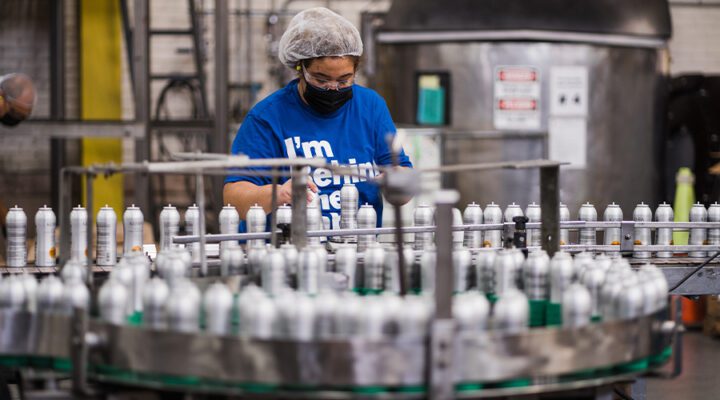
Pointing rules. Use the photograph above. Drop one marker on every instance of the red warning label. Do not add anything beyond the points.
(517, 74)
(517, 98)
(517, 104)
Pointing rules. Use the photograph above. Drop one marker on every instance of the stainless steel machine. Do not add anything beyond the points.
(512, 80)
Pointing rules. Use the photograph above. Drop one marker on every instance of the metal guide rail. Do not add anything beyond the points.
(627, 245)
(485, 361)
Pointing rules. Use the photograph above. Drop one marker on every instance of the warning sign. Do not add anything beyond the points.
(516, 98)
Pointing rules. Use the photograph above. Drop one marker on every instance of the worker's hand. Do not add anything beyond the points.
(285, 191)
(379, 177)
(399, 185)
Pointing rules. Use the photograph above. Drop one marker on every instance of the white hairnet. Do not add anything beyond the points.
(318, 32)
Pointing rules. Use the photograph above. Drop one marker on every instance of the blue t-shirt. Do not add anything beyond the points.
(282, 125)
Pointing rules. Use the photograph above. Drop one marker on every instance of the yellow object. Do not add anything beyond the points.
(684, 199)
(429, 82)
(101, 94)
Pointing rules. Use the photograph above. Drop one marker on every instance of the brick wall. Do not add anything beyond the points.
(24, 161)
(696, 33)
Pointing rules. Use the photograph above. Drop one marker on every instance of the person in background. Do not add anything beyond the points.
(17, 98)
(322, 113)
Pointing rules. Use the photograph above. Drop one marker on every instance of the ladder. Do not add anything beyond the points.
(200, 124)
(198, 50)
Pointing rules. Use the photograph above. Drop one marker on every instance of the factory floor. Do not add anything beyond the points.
(701, 359)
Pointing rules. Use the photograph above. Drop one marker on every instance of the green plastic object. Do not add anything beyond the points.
(492, 298)
(660, 359)
(581, 375)
(116, 373)
(538, 310)
(62, 364)
(41, 362)
(684, 199)
(135, 319)
(370, 389)
(513, 383)
(468, 387)
(14, 361)
(180, 380)
(410, 389)
(553, 314)
(257, 387)
(372, 292)
(634, 366)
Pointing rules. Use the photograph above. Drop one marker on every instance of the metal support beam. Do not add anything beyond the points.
(57, 96)
(128, 35)
(440, 365)
(74, 129)
(63, 212)
(219, 141)
(79, 352)
(200, 199)
(141, 74)
(298, 226)
(550, 205)
(89, 180)
(444, 203)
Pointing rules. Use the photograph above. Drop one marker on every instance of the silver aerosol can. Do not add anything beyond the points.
(106, 245)
(132, 229)
(664, 236)
(642, 213)
(169, 226)
(16, 223)
(45, 251)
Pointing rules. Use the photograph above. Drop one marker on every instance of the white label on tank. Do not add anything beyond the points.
(567, 137)
(569, 91)
(516, 104)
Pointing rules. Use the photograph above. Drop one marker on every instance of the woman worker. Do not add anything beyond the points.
(322, 113)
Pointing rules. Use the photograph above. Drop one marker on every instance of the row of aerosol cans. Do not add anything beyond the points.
(352, 216)
(645, 236)
(424, 215)
(60, 295)
(473, 214)
(500, 297)
(587, 286)
(106, 233)
(122, 296)
(491, 272)
(294, 315)
(45, 243)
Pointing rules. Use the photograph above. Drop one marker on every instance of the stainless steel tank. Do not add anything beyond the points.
(621, 47)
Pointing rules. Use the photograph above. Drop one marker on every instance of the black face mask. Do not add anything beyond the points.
(326, 101)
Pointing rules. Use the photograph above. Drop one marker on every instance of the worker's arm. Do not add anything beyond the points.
(243, 195)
